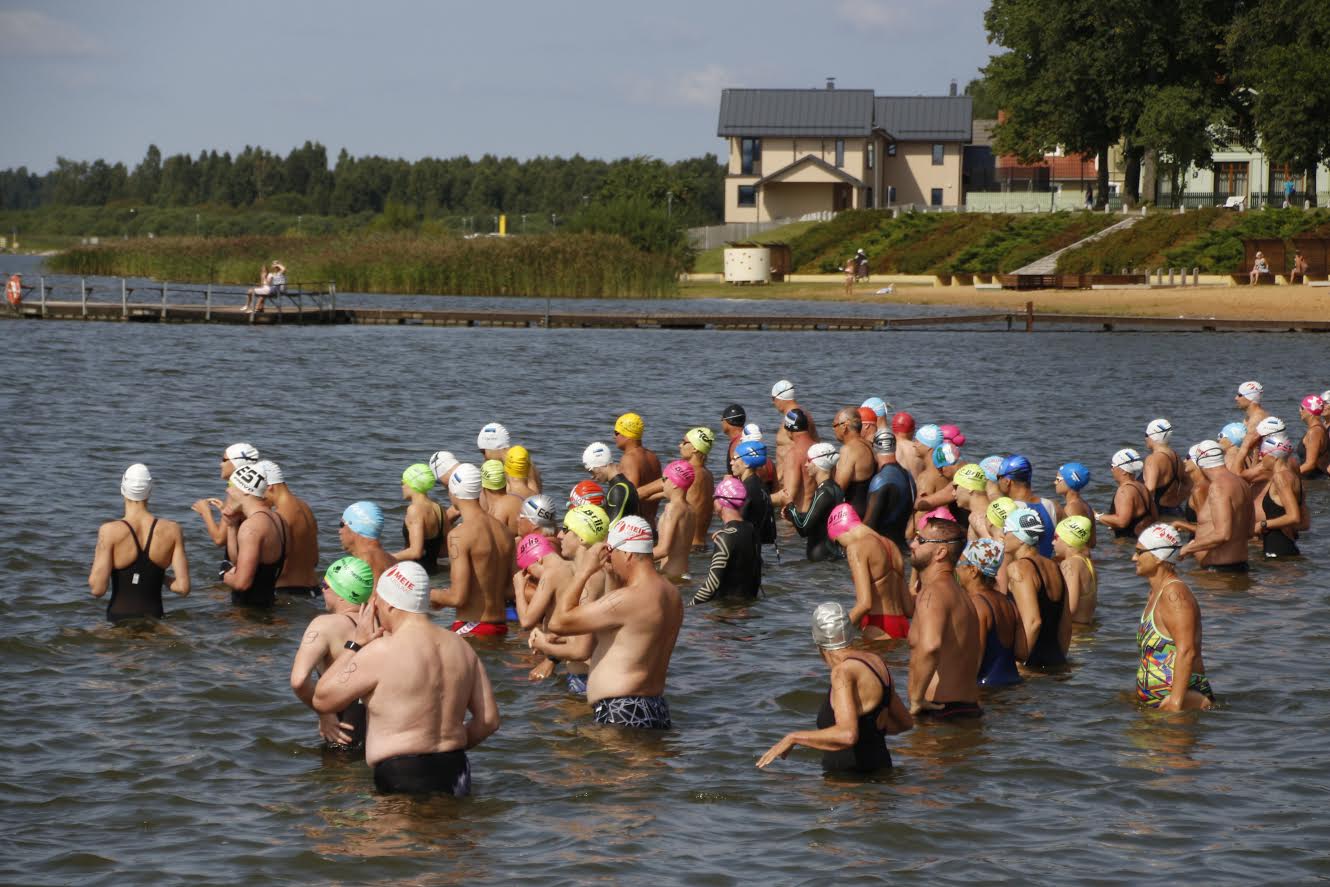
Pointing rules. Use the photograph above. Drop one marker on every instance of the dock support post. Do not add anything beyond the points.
(124, 299)
(83, 294)
(163, 300)
(1029, 317)
(41, 284)
(332, 298)
(207, 303)
(547, 312)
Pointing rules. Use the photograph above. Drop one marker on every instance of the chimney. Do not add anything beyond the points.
(831, 83)
(953, 89)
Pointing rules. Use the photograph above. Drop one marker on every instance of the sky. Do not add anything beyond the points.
(400, 78)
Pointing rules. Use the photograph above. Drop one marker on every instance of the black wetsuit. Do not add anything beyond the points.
(736, 564)
(442, 772)
(758, 510)
(621, 498)
(136, 590)
(891, 495)
(869, 752)
(1276, 543)
(812, 524)
(1046, 649)
(857, 495)
(264, 584)
(429, 559)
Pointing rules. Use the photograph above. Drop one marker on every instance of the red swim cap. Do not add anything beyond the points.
(588, 492)
(868, 417)
(902, 423)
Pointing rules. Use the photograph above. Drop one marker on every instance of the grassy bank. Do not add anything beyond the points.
(569, 265)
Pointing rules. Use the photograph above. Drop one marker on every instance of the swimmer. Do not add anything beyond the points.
(749, 457)
(732, 421)
(1171, 673)
(638, 464)
(991, 466)
(1314, 451)
(935, 488)
(1248, 399)
(538, 515)
(1071, 549)
(782, 398)
(425, 527)
(256, 547)
(1133, 508)
(860, 709)
(583, 527)
(812, 523)
(767, 470)
(419, 683)
(1071, 479)
(944, 633)
(674, 530)
(1035, 584)
(359, 533)
(1256, 470)
(891, 493)
(494, 442)
(972, 496)
(1001, 638)
(480, 552)
(855, 467)
(346, 586)
(695, 447)
(882, 608)
(495, 498)
(903, 429)
(1200, 489)
(635, 628)
(621, 496)
(1228, 519)
(133, 571)
(540, 570)
(1014, 482)
(517, 465)
(793, 478)
(1163, 477)
(442, 464)
(236, 455)
(1281, 510)
(736, 562)
(300, 572)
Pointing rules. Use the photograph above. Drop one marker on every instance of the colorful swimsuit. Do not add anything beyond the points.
(1154, 675)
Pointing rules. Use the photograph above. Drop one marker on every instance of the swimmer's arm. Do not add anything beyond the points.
(574, 648)
(179, 565)
(1312, 443)
(875, 499)
(1292, 511)
(309, 654)
(1150, 476)
(533, 479)
(415, 535)
(538, 604)
(944, 496)
(354, 675)
(483, 707)
(863, 581)
(1183, 621)
(572, 615)
(455, 594)
(241, 576)
(720, 559)
(665, 540)
(897, 717)
(1122, 515)
(216, 530)
(925, 650)
(99, 578)
(652, 491)
(844, 474)
(1021, 588)
(840, 735)
(1071, 579)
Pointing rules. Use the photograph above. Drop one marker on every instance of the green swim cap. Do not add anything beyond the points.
(351, 578)
(419, 477)
(492, 475)
(999, 510)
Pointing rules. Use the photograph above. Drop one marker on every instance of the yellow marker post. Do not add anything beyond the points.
(503, 226)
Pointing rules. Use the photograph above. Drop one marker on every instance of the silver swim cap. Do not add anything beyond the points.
(831, 627)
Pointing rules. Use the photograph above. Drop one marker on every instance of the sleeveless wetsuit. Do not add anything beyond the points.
(136, 590)
(812, 524)
(891, 495)
(1046, 650)
(758, 510)
(1154, 674)
(621, 498)
(736, 564)
(997, 668)
(262, 587)
(869, 752)
(1276, 543)
(429, 559)
(857, 495)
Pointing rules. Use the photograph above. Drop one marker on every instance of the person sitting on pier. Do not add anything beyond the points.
(1300, 268)
(271, 283)
(1258, 268)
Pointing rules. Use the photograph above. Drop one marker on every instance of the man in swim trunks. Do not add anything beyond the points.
(300, 572)
(442, 464)
(257, 547)
(517, 465)
(494, 442)
(480, 553)
(794, 486)
(638, 464)
(1133, 508)
(236, 455)
(1073, 477)
(1248, 399)
(860, 708)
(855, 467)
(346, 586)
(812, 523)
(621, 496)
(891, 494)
(1315, 448)
(935, 488)
(1171, 673)
(359, 533)
(1002, 641)
(1014, 482)
(135, 571)
(425, 527)
(944, 633)
(736, 563)
(1228, 519)
(674, 530)
(495, 498)
(1071, 549)
(583, 527)
(882, 607)
(1164, 478)
(419, 683)
(782, 398)
(635, 628)
(1035, 584)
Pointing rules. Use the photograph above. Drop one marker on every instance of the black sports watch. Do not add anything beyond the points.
(353, 646)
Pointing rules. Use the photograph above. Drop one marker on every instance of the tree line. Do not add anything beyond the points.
(1182, 79)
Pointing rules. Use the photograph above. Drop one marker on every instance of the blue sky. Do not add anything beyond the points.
(409, 79)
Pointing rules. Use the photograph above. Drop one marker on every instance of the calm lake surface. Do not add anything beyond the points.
(178, 753)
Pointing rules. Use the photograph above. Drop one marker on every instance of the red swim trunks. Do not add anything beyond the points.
(894, 626)
(480, 629)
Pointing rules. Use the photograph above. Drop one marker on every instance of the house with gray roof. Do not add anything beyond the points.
(795, 152)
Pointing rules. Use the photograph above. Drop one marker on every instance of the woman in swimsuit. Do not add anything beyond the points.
(1133, 508)
(133, 570)
(1171, 672)
(1280, 507)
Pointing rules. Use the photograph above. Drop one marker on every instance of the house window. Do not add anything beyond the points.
(891, 194)
(935, 198)
(750, 156)
(870, 155)
(891, 150)
(939, 152)
(840, 153)
(1230, 179)
(868, 198)
(748, 195)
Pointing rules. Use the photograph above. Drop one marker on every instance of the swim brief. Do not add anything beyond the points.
(1239, 567)
(642, 712)
(577, 684)
(480, 629)
(510, 613)
(952, 711)
(895, 626)
(446, 772)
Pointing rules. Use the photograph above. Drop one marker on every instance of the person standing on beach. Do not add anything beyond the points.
(235, 456)
(944, 633)
(481, 555)
(639, 465)
(300, 571)
(135, 571)
(1228, 519)
(258, 545)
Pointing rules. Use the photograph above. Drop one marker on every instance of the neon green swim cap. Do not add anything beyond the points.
(419, 477)
(589, 522)
(351, 579)
(492, 475)
(999, 510)
(971, 477)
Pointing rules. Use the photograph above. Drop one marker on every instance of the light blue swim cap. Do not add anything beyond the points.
(929, 435)
(991, 466)
(877, 405)
(364, 518)
(1234, 432)
(1074, 475)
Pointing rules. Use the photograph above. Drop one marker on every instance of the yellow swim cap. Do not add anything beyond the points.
(971, 477)
(701, 438)
(517, 462)
(419, 477)
(492, 475)
(998, 511)
(589, 522)
(629, 425)
(1075, 531)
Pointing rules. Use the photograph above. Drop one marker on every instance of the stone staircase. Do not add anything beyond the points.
(1048, 264)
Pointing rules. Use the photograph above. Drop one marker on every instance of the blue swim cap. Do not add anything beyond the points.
(1016, 466)
(946, 455)
(991, 465)
(877, 405)
(364, 518)
(1234, 432)
(1074, 475)
(929, 435)
(752, 453)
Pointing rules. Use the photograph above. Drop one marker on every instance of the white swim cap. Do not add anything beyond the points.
(1129, 461)
(752, 431)
(596, 456)
(1251, 390)
(272, 472)
(1270, 425)
(631, 534)
(492, 437)
(441, 463)
(831, 627)
(405, 586)
(783, 390)
(1159, 431)
(823, 456)
(1162, 541)
(539, 509)
(465, 482)
(136, 483)
(1277, 445)
(1207, 454)
(242, 454)
(249, 480)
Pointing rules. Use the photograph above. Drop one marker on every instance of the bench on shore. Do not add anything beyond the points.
(1273, 250)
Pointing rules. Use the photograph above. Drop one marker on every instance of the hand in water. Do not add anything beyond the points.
(333, 731)
(779, 750)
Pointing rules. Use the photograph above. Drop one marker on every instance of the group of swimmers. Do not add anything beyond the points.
(997, 574)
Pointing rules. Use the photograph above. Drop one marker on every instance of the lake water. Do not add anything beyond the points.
(179, 753)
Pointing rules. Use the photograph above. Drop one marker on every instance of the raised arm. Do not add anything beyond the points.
(216, 529)
(574, 616)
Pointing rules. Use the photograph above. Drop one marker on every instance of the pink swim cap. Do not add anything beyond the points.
(943, 513)
(952, 435)
(532, 548)
(1313, 404)
(843, 519)
(731, 491)
(680, 473)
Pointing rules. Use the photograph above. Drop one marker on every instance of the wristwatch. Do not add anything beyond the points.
(353, 646)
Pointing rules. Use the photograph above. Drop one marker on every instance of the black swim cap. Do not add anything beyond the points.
(734, 414)
(796, 420)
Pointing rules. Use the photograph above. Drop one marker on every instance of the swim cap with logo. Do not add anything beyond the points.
(1025, 524)
(239, 454)
(1074, 475)
(946, 455)
(1128, 460)
(539, 509)
(701, 438)
(418, 477)
(630, 425)
(679, 473)
(1251, 390)
(999, 510)
(517, 462)
(249, 480)
(1159, 430)
(734, 414)
(971, 477)
(884, 442)
(441, 463)
(532, 548)
(991, 465)
(465, 482)
(952, 434)
(364, 519)
(1016, 467)
(831, 627)
(587, 522)
(631, 534)
(1162, 541)
(493, 437)
(492, 475)
(271, 471)
(751, 431)
(588, 492)
(879, 406)
(405, 586)
(1207, 454)
(1075, 530)
(985, 555)
(1234, 432)
(796, 420)
(823, 456)
(867, 418)
(843, 519)
(1314, 404)
(783, 390)
(351, 579)
(902, 423)
(731, 491)
(1277, 445)
(597, 455)
(136, 483)
(1270, 425)
(929, 435)
(752, 453)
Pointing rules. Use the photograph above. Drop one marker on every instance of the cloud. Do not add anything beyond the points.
(698, 88)
(34, 34)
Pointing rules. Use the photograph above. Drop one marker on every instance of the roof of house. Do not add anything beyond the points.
(812, 160)
(924, 118)
(795, 112)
